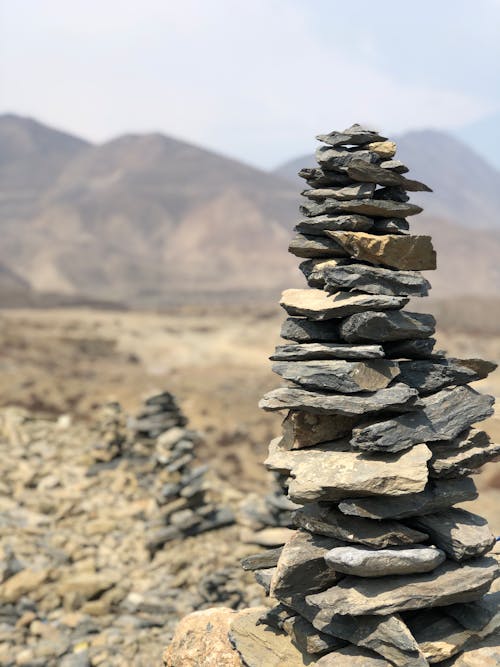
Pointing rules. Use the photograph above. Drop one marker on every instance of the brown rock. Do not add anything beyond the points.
(319, 305)
(22, 583)
(303, 429)
(414, 253)
(201, 638)
(385, 149)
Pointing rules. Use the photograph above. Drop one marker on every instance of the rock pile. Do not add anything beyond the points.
(378, 441)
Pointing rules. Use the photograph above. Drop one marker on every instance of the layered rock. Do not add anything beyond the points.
(378, 440)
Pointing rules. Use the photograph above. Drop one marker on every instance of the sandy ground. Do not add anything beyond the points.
(215, 362)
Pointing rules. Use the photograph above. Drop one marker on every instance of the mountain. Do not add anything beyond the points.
(148, 219)
(484, 137)
(145, 215)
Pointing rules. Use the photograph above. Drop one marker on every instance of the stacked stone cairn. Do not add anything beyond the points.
(378, 442)
(184, 495)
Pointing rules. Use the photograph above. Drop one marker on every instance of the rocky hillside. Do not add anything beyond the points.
(147, 219)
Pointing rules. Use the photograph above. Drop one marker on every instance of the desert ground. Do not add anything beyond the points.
(214, 360)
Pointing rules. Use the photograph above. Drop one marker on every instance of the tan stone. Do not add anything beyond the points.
(414, 253)
(267, 537)
(201, 638)
(260, 645)
(319, 305)
(22, 583)
(303, 429)
(386, 149)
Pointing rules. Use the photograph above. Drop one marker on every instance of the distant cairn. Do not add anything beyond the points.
(378, 442)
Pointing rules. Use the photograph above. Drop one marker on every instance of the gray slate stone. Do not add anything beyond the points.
(443, 416)
(338, 159)
(394, 193)
(356, 135)
(448, 584)
(375, 280)
(346, 193)
(308, 351)
(318, 225)
(397, 398)
(449, 462)
(309, 640)
(314, 269)
(264, 577)
(431, 376)
(337, 375)
(390, 226)
(304, 245)
(394, 165)
(418, 348)
(370, 173)
(325, 519)
(438, 495)
(302, 330)
(302, 568)
(304, 429)
(386, 327)
(461, 534)
(371, 207)
(318, 178)
(364, 562)
(262, 560)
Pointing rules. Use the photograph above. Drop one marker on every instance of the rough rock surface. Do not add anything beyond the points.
(369, 207)
(308, 351)
(321, 223)
(318, 305)
(375, 280)
(304, 429)
(386, 327)
(364, 562)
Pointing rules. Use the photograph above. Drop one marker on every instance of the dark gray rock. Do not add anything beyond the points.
(276, 616)
(475, 616)
(363, 562)
(264, 578)
(418, 348)
(325, 519)
(304, 245)
(375, 280)
(346, 193)
(309, 640)
(318, 225)
(370, 207)
(438, 495)
(304, 429)
(456, 461)
(390, 226)
(346, 377)
(318, 178)
(481, 367)
(431, 376)
(308, 351)
(392, 193)
(394, 165)
(338, 159)
(262, 560)
(302, 330)
(380, 327)
(448, 584)
(461, 534)
(443, 416)
(356, 135)
(314, 269)
(302, 568)
(370, 173)
(397, 398)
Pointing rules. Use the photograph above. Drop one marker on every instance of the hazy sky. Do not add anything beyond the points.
(255, 79)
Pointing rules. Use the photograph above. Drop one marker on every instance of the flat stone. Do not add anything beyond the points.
(481, 367)
(397, 398)
(476, 616)
(274, 536)
(364, 562)
(376, 208)
(318, 305)
(386, 327)
(428, 377)
(392, 193)
(311, 351)
(276, 616)
(447, 584)
(390, 226)
(317, 178)
(371, 173)
(305, 245)
(301, 330)
(314, 269)
(352, 656)
(346, 193)
(302, 568)
(309, 640)
(386, 149)
(338, 159)
(304, 429)
(386, 635)
(264, 577)
(463, 455)
(461, 534)
(375, 280)
(264, 559)
(438, 495)
(441, 637)
(413, 253)
(482, 653)
(394, 165)
(320, 224)
(260, 645)
(325, 474)
(443, 416)
(201, 638)
(346, 377)
(355, 135)
(324, 519)
(418, 348)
